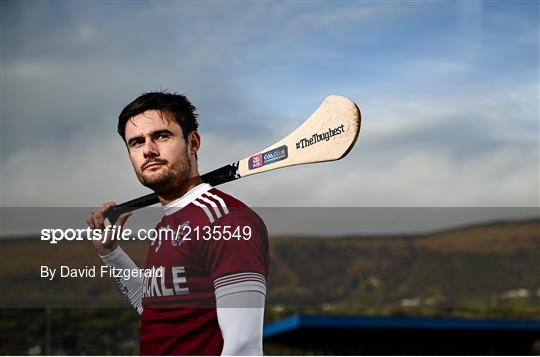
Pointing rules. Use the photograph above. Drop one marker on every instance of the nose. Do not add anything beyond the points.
(150, 149)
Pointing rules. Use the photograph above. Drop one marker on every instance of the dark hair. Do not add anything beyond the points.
(175, 105)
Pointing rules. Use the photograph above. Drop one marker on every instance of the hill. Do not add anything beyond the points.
(486, 271)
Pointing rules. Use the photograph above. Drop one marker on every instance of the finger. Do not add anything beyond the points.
(122, 219)
(104, 208)
(106, 205)
(98, 217)
(90, 220)
(97, 223)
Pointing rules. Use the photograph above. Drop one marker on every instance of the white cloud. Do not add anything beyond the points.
(431, 135)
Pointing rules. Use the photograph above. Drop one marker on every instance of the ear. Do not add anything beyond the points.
(194, 142)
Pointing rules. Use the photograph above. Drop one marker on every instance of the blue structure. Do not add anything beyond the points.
(402, 335)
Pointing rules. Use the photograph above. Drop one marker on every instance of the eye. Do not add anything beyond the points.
(136, 143)
(161, 136)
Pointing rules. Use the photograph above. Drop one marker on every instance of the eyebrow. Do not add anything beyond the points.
(154, 133)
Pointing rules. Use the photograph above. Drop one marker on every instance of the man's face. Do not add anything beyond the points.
(158, 151)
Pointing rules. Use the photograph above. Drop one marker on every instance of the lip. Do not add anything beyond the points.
(152, 165)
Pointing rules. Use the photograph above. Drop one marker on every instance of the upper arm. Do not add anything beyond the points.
(238, 269)
(239, 263)
(241, 319)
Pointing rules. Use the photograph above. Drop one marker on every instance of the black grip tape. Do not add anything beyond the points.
(223, 174)
(217, 177)
(113, 213)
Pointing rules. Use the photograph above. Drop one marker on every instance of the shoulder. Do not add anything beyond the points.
(235, 243)
(219, 206)
(229, 200)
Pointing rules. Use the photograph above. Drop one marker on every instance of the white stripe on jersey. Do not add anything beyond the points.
(219, 199)
(206, 210)
(239, 278)
(237, 275)
(213, 205)
(207, 200)
(240, 287)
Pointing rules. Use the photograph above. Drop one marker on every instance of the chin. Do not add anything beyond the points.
(154, 181)
(158, 181)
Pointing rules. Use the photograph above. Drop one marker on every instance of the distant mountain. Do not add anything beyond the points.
(486, 269)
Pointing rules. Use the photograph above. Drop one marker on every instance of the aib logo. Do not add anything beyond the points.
(255, 161)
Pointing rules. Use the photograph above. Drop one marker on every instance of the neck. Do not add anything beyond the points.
(171, 195)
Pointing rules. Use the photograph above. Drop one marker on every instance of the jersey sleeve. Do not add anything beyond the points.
(131, 287)
(238, 264)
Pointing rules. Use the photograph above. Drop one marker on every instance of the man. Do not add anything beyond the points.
(210, 299)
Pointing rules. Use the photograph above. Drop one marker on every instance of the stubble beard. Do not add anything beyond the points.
(170, 179)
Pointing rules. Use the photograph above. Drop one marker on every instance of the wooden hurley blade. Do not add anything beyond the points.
(328, 134)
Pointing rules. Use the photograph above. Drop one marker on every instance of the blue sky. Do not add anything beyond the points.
(448, 91)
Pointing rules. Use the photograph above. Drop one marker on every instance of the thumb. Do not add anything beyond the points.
(122, 219)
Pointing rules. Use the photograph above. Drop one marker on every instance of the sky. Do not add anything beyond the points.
(449, 95)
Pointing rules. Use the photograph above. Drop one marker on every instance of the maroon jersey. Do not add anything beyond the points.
(214, 246)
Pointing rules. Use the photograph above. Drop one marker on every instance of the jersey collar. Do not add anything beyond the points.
(186, 199)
